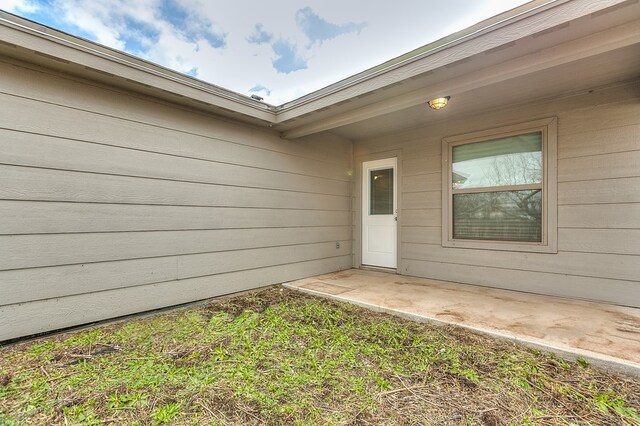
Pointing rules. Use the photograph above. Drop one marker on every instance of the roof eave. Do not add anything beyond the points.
(57, 45)
(531, 18)
(422, 52)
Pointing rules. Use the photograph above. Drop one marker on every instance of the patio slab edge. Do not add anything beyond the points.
(615, 365)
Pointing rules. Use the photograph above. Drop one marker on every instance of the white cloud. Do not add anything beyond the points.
(93, 18)
(19, 6)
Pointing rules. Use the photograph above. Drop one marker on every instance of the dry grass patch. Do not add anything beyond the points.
(281, 357)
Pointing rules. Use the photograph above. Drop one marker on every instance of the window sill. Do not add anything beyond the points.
(501, 246)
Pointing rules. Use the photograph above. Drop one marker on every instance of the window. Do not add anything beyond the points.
(381, 196)
(499, 188)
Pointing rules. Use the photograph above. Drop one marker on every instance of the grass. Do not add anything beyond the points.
(280, 357)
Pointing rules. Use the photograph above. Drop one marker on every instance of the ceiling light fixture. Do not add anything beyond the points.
(439, 103)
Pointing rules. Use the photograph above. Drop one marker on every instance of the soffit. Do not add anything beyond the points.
(618, 66)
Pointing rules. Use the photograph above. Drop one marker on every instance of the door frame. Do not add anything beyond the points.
(357, 182)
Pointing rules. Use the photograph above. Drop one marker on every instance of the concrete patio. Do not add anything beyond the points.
(605, 335)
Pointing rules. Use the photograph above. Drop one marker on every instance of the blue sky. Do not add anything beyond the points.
(279, 50)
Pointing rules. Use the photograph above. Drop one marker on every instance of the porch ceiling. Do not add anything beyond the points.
(577, 77)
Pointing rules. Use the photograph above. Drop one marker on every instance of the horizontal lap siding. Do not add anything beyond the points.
(28, 183)
(113, 203)
(155, 118)
(47, 314)
(598, 202)
(25, 149)
(26, 217)
(23, 251)
(107, 275)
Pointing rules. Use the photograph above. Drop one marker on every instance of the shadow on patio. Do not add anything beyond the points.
(605, 335)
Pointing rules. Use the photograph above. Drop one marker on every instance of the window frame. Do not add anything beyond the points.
(549, 243)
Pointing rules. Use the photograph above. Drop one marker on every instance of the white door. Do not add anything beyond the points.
(379, 213)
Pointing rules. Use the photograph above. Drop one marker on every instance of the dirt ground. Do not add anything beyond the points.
(281, 357)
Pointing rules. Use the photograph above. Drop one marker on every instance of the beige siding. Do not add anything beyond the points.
(112, 203)
(46, 314)
(598, 201)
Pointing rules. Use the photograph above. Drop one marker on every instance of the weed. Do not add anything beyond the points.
(611, 401)
(165, 413)
(582, 362)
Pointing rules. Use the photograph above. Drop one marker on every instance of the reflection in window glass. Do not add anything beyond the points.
(381, 192)
(500, 216)
(513, 160)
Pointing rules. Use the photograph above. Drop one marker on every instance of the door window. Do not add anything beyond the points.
(381, 192)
